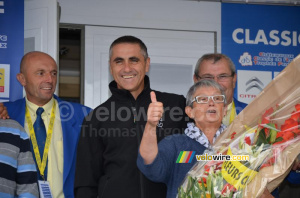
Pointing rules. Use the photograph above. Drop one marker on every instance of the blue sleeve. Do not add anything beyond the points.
(80, 112)
(162, 166)
(293, 177)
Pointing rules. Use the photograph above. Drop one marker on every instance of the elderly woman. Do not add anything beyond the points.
(206, 105)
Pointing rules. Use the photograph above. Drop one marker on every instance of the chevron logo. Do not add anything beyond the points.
(254, 82)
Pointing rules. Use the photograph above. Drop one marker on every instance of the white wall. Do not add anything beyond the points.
(138, 15)
(157, 14)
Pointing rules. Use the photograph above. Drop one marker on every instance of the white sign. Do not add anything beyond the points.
(251, 83)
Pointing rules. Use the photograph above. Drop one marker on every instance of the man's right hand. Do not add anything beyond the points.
(148, 147)
(155, 110)
(3, 112)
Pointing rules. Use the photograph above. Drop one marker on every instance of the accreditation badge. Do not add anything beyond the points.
(44, 188)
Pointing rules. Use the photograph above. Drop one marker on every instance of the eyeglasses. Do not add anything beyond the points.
(221, 77)
(205, 99)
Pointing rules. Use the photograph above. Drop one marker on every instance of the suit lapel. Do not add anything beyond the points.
(69, 137)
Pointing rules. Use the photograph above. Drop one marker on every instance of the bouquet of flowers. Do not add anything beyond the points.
(267, 131)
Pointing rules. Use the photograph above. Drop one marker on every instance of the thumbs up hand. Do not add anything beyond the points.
(155, 110)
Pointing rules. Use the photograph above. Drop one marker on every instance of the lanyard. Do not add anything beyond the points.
(232, 113)
(41, 164)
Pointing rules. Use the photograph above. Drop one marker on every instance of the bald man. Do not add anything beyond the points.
(62, 121)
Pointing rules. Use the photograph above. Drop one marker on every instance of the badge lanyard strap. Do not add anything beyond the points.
(41, 164)
(232, 113)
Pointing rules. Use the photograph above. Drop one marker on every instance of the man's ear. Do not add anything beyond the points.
(189, 111)
(195, 78)
(147, 64)
(21, 79)
(234, 80)
(110, 70)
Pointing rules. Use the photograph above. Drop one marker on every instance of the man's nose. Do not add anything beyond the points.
(49, 77)
(127, 67)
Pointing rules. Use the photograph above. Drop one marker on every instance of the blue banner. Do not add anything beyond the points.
(261, 40)
(11, 48)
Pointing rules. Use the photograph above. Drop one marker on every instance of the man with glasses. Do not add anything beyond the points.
(220, 68)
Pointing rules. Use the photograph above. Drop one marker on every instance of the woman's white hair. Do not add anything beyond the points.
(203, 83)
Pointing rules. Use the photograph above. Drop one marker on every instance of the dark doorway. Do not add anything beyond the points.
(70, 64)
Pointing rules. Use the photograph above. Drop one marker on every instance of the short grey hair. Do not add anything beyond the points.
(215, 57)
(131, 40)
(203, 83)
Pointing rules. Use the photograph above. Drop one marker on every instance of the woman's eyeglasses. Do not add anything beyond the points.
(205, 99)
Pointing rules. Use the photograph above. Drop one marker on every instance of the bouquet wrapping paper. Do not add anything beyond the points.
(267, 130)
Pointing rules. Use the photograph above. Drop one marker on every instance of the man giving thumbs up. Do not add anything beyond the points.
(108, 147)
(149, 147)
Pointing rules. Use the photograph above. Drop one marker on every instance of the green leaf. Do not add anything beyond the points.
(203, 188)
(190, 184)
(231, 194)
(273, 132)
(262, 138)
(209, 183)
(181, 192)
(212, 194)
(196, 190)
(279, 139)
